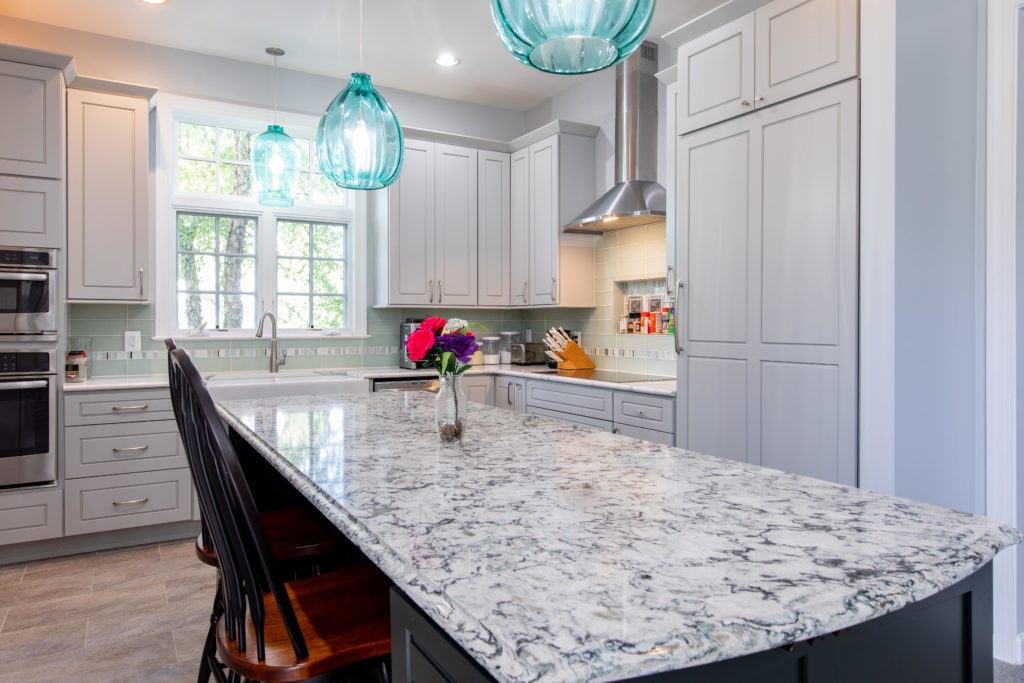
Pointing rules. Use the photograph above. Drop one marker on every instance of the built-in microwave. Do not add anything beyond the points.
(28, 291)
(28, 416)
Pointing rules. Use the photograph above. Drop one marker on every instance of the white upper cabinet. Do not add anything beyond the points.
(408, 229)
(520, 227)
(108, 207)
(31, 112)
(803, 45)
(495, 234)
(783, 49)
(31, 212)
(716, 75)
(455, 188)
(544, 226)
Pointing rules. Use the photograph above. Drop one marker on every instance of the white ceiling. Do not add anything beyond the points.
(402, 37)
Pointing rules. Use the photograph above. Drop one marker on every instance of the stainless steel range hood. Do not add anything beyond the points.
(637, 198)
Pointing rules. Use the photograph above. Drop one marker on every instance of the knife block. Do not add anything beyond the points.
(575, 358)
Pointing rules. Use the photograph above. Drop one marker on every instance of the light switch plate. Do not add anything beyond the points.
(132, 342)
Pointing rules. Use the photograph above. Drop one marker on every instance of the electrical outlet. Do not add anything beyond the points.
(132, 342)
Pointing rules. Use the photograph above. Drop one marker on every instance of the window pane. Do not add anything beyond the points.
(292, 239)
(328, 312)
(197, 176)
(293, 311)
(237, 310)
(238, 274)
(304, 146)
(328, 241)
(238, 235)
(326, 192)
(196, 232)
(303, 192)
(328, 277)
(197, 141)
(197, 272)
(194, 310)
(236, 180)
(292, 275)
(236, 144)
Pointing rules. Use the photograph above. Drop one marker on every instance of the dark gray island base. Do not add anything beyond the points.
(946, 638)
(544, 552)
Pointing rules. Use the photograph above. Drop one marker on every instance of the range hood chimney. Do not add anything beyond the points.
(637, 198)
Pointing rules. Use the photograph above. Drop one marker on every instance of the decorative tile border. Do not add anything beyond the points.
(630, 353)
(261, 352)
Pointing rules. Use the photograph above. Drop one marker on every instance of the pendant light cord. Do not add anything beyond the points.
(360, 35)
(275, 90)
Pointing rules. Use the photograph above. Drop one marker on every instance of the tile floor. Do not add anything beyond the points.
(138, 614)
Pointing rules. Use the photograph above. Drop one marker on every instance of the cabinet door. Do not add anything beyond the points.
(520, 395)
(411, 228)
(455, 183)
(31, 99)
(504, 393)
(716, 75)
(495, 236)
(768, 250)
(479, 389)
(31, 212)
(671, 107)
(544, 227)
(803, 45)
(108, 190)
(31, 515)
(520, 227)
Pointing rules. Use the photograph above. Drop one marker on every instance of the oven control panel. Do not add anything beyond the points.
(27, 257)
(25, 362)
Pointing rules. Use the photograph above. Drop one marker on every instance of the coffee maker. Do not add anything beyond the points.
(404, 330)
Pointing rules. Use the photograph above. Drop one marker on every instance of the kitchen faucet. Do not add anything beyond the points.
(276, 361)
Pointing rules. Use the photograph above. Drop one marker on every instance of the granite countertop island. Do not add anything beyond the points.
(553, 552)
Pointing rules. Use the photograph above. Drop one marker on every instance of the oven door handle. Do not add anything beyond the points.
(25, 277)
(32, 384)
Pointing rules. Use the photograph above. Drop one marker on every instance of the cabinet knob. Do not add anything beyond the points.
(759, 98)
(745, 103)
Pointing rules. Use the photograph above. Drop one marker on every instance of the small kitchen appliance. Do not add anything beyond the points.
(404, 330)
(28, 292)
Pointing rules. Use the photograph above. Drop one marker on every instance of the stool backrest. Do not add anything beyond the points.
(246, 563)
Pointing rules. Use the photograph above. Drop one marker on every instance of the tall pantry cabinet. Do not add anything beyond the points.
(766, 229)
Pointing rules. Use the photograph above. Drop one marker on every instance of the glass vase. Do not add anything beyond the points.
(450, 407)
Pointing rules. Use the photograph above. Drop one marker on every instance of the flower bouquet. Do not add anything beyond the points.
(447, 346)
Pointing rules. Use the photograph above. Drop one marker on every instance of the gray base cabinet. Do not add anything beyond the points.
(32, 515)
(124, 463)
(479, 389)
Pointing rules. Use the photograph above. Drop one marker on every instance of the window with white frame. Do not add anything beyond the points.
(233, 259)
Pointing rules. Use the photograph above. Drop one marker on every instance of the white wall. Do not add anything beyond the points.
(197, 75)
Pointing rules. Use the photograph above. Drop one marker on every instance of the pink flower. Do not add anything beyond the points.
(435, 325)
(419, 342)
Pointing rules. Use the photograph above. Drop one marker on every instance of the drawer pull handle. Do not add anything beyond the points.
(130, 449)
(639, 412)
(136, 501)
(121, 409)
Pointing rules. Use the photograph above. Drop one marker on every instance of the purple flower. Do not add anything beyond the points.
(462, 345)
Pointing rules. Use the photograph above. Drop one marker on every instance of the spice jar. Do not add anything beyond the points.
(76, 367)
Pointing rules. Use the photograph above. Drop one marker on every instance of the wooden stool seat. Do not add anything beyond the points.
(294, 532)
(344, 618)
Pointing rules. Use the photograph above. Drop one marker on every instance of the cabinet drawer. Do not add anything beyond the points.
(595, 403)
(30, 212)
(122, 448)
(603, 425)
(30, 516)
(647, 412)
(122, 501)
(645, 434)
(108, 407)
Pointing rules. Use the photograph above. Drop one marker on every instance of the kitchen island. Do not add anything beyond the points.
(546, 551)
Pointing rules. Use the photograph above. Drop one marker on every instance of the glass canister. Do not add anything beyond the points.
(492, 350)
(76, 368)
(508, 338)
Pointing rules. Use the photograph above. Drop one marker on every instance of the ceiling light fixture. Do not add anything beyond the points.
(154, 2)
(447, 59)
(571, 36)
(359, 140)
(276, 158)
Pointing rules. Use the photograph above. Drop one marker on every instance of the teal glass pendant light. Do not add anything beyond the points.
(572, 36)
(359, 140)
(275, 158)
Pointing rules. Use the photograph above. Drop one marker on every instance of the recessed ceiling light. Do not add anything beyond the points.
(447, 59)
(154, 2)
